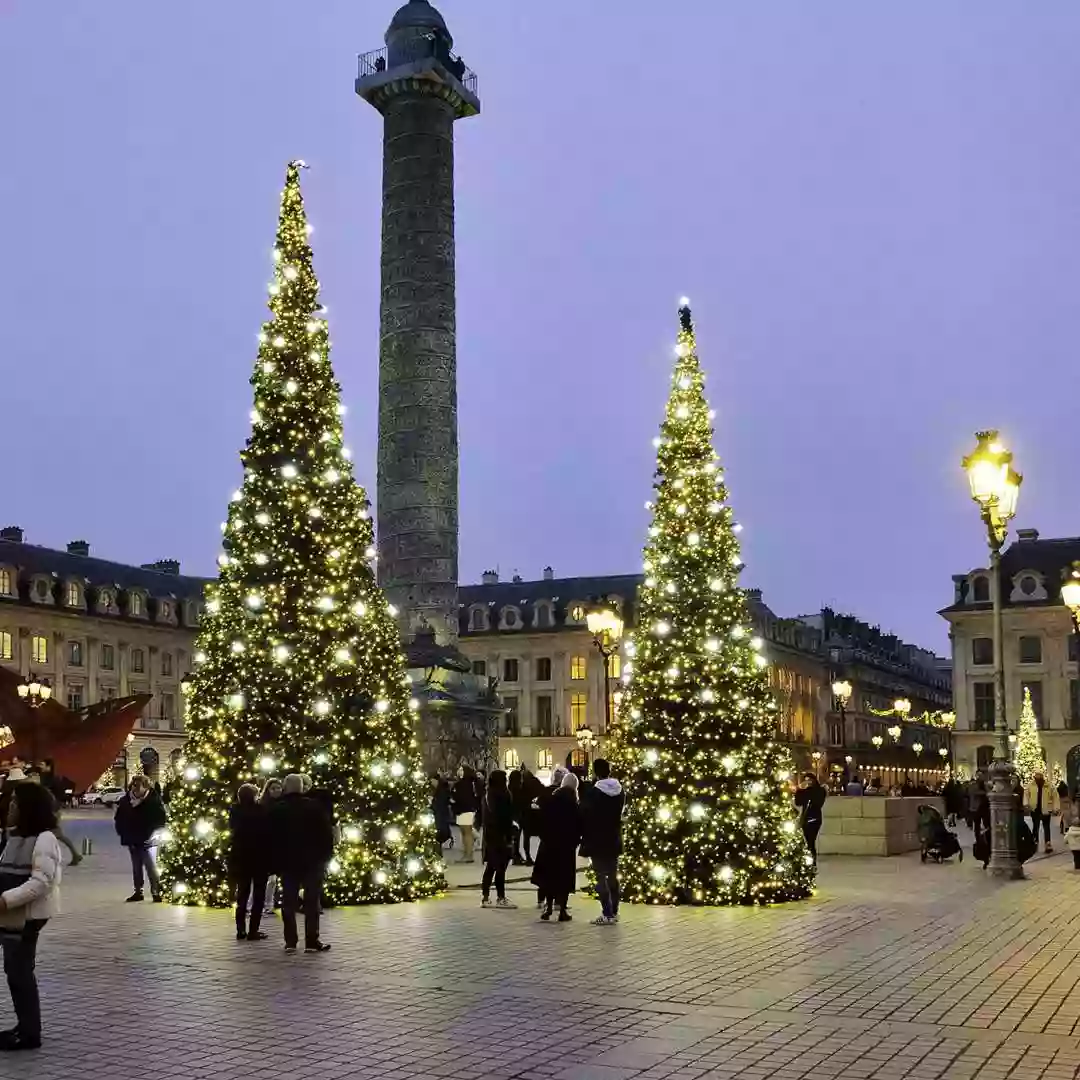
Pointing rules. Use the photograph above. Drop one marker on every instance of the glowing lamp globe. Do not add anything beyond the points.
(1070, 590)
(604, 621)
(995, 485)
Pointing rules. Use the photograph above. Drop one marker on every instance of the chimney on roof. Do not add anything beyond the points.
(163, 566)
(1027, 535)
(79, 547)
(549, 574)
(753, 594)
(13, 533)
(490, 577)
(517, 579)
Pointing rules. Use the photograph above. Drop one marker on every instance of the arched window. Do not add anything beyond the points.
(5, 581)
(543, 615)
(511, 759)
(980, 590)
(73, 594)
(544, 760)
(478, 621)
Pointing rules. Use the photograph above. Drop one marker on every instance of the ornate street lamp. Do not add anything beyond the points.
(606, 626)
(877, 740)
(902, 707)
(1070, 593)
(841, 692)
(34, 691)
(995, 487)
(895, 731)
(917, 747)
(586, 740)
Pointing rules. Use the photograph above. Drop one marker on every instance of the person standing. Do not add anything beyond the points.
(30, 871)
(498, 839)
(302, 836)
(465, 807)
(271, 791)
(139, 814)
(531, 790)
(1065, 805)
(249, 860)
(1040, 801)
(555, 872)
(602, 806)
(810, 799)
(514, 781)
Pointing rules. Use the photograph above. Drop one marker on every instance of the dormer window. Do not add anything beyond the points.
(191, 613)
(576, 612)
(105, 601)
(511, 619)
(73, 594)
(542, 619)
(980, 590)
(164, 611)
(478, 618)
(136, 605)
(1027, 586)
(7, 582)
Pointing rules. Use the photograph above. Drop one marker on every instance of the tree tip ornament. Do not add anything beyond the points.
(270, 693)
(710, 817)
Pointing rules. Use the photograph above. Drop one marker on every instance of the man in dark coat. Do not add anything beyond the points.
(601, 841)
(302, 835)
(139, 814)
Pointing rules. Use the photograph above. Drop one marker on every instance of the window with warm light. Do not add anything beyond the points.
(511, 760)
(5, 581)
(135, 604)
(577, 613)
(544, 760)
(39, 649)
(74, 594)
(5, 645)
(614, 665)
(579, 707)
(578, 666)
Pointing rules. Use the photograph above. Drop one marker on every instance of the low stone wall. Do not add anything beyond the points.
(871, 824)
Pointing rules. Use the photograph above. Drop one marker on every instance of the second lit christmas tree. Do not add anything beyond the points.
(709, 811)
(298, 665)
(1029, 754)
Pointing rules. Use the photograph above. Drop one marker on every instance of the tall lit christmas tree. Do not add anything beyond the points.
(1029, 754)
(298, 666)
(709, 813)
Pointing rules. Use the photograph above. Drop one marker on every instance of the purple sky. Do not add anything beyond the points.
(874, 208)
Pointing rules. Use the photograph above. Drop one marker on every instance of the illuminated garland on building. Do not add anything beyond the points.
(926, 719)
(298, 665)
(709, 812)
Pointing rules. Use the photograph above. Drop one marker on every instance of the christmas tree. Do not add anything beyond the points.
(1029, 755)
(709, 811)
(298, 666)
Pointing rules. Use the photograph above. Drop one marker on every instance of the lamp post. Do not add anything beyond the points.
(586, 740)
(841, 692)
(34, 691)
(995, 487)
(606, 626)
(902, 707)
(1070, 593)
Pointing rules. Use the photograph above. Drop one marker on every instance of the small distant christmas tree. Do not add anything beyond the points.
(1029, 756)
(298, 660)
(709, 812)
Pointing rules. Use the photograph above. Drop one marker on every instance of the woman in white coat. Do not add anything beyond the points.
(30, 872)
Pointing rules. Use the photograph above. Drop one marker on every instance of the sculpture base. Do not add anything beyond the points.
(455, 734)
(1004, 823)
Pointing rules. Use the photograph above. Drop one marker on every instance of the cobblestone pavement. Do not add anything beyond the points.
(894, 970)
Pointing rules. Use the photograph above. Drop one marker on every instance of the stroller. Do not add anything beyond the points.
(937, 842)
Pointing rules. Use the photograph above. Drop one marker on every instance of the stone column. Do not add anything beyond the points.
(418, 443)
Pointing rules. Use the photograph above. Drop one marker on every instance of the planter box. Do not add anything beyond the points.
(871, 824)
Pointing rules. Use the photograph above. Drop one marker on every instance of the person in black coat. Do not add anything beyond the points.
(555, 872)
(531, 791)
(514, 787)
(249, 859)
(139, 814)
(302, 838)
(440, 809)
(498, 839)
(809, 799)
(602, 805)
(464, 804)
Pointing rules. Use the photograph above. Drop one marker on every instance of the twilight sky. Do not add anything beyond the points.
(875, 209)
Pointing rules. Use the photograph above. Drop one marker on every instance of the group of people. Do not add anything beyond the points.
(570, 816)
(1040, 799)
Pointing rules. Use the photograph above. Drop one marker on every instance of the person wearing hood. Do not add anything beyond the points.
(139, 814)
(601, 841)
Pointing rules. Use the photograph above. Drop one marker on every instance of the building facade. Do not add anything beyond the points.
(531, 637)
(1040, 651)
(99, 630)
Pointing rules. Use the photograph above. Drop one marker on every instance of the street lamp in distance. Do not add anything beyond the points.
(1070, 593)
(841, 692)
(34, 691)
(995, 489)
(606, 626)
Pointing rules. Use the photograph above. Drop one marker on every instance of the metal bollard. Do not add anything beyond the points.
(87, 846)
